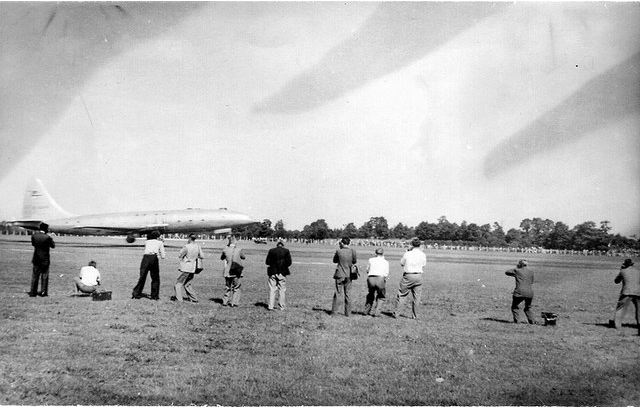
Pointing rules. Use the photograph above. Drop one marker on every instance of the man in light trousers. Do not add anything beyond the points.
(278, 261)
(412, 263)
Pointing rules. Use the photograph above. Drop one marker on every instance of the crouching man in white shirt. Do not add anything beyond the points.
(89, 278)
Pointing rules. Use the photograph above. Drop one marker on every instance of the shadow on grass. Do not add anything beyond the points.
(320, 309)
(81, 295)
(493, 319)
(216, 300)
(610, 325)
(262, 305)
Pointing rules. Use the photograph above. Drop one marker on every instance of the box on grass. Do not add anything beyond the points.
(106, 295)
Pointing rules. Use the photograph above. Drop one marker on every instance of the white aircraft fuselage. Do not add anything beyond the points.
(39, 207)
(165, 221)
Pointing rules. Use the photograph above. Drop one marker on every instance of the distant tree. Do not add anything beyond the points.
(462, 234)
(446, 230)
(265, 229)
(560, 237)
(401, 231)
(426, 231)
(316, 230)
(485, 234)
(587, 236)
(497, 235)
(350, 230)
(279, 231)
(514, 238)
(473, 233)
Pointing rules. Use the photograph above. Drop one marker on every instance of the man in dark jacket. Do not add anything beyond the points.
(523, 291)
(345, 258)
(278, 261)
(41, 242)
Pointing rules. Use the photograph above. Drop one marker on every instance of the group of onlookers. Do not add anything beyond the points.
(278, 261)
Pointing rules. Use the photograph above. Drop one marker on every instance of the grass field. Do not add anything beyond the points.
(68, 350)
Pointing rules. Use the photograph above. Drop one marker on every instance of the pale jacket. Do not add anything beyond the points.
(231, 253)
(188, 255)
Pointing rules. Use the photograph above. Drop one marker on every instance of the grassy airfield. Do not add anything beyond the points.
(69, 350)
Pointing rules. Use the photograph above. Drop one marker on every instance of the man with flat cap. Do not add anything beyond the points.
(523, 291)
(41, 242)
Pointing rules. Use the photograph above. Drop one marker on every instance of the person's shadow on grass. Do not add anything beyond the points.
(493, 319)
(216, 300)
(261, 304)
(320, 309)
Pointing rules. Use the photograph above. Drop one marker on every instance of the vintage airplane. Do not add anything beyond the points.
(39, 207)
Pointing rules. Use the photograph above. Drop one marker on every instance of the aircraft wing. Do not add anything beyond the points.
(122, 230)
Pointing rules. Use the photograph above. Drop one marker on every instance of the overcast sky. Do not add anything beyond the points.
(299, 111)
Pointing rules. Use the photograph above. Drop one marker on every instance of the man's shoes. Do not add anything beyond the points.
(32, 294)
(42, 294)
(155, 298)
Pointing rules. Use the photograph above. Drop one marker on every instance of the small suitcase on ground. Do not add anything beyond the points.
(102, 295)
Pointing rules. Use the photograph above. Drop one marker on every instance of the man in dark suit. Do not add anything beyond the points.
(278, 261)
(41, 242)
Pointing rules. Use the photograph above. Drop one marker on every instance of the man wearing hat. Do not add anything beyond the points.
(41, 242)
(630, 292)
(411, 284)
(278, 262)
(523, 291)
(377, 273)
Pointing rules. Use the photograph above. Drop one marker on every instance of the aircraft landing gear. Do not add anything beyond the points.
(131, 238)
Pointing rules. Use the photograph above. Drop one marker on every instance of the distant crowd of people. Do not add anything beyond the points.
(278, 262)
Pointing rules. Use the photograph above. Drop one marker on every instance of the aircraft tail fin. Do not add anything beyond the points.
(38, 204)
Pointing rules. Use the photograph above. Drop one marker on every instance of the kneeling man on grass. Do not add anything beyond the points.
(89, 278)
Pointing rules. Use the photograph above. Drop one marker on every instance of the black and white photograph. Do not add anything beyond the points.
(320, 203)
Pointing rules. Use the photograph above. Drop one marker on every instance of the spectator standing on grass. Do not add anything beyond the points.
(377, 273)
(523, 291)
(630, 292)
(278, 261)
(188, 256)
(345, 257)
(41, 242)
(412, 263)
(229, 255)
(153, 249)
(89, 278)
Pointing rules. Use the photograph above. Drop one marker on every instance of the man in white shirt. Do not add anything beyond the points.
(411, 284)
(377, 273)
(89, 278)
(153, 249)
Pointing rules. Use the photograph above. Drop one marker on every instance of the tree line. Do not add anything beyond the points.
(536, 232)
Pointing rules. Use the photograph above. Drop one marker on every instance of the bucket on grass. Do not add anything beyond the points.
(549, 318)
